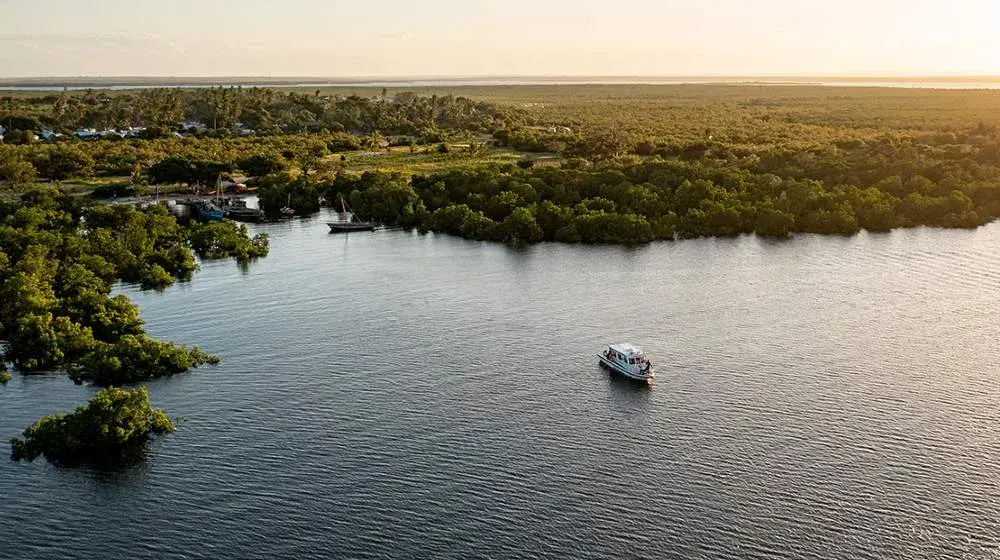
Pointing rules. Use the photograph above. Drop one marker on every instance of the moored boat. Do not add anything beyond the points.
(287, 211)
(627, 360)
(209, 212)
(347, 223)
(238, 210)
(344, 227)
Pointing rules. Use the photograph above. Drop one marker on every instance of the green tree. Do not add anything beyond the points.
(62, 162)
(773, 223)
(16, 170)
(259, 165)
(135, 358)
(114, 424)
(520, 226)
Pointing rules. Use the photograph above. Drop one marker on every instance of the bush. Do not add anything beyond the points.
(113, 191)
(773, 223)
(343, 142)
(134, 359)
(219, 240)
(115, 423)
(62, 162)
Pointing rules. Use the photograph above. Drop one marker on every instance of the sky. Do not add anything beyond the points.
(425, 38)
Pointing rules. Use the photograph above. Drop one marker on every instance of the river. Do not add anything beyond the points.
(396, 395)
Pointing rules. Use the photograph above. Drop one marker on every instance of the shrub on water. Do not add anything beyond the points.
(114, 423)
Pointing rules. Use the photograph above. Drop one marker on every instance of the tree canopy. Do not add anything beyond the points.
(115, 424)
(58, 260)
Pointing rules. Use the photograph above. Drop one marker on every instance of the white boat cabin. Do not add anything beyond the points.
(628, 360)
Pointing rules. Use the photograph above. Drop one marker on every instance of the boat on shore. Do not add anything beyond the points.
(347, 223)
(629, 361)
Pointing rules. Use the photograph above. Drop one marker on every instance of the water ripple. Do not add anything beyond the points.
(394, 395)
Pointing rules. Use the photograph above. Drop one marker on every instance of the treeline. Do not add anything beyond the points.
(636, 202)
(754, 117)
(194, 161)
(58, 261)
(265, 111)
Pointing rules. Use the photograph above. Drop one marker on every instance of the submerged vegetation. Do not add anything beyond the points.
(116, 424)
(220, 240)
(58, 261)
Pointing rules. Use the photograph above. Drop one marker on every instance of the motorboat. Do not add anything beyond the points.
(628, 360)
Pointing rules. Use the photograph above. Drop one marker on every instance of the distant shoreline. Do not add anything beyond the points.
(133, 82)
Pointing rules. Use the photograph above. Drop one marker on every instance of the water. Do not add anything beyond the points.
(392, 395)
(484, 82)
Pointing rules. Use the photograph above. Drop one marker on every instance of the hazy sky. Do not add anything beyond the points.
(478, 37)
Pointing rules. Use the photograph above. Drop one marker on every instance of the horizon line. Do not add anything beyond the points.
(866, 76)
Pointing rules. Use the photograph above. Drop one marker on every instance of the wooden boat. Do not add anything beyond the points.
(347, 224)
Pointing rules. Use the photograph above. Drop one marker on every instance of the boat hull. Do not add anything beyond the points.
(617, 368)
(350, 226)
(245, 216)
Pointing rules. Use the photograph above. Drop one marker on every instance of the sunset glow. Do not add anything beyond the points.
(516, 37)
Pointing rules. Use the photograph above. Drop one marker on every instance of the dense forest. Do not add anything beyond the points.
(634, 163)
(222, 111)
(630, 202)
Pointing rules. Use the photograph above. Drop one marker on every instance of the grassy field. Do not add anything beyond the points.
(426, 159)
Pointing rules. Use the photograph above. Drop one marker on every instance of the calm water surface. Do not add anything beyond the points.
(392, 395)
